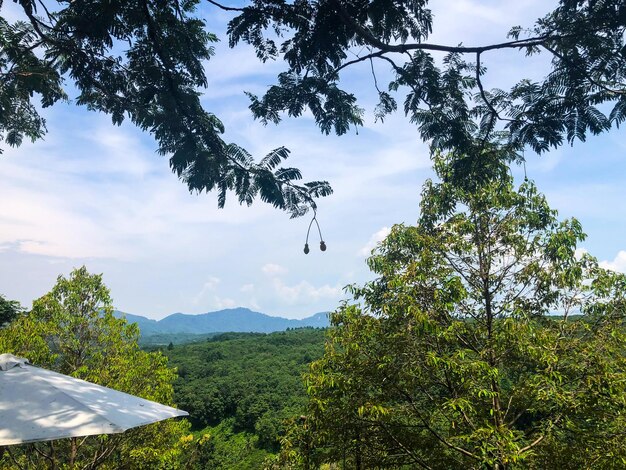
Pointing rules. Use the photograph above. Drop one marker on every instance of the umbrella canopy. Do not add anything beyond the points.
(39, 405)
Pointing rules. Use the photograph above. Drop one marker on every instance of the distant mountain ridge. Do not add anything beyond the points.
(239, 320)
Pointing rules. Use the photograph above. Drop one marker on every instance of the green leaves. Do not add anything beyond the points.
(273, 184)
(333, 109)
(385, 106)
(23, 75)
(9, 310)
(142, 60)
(448, 103)
(484, 342)
(72, 330)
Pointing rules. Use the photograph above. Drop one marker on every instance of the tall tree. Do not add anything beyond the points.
(72, 330)
(485, 342)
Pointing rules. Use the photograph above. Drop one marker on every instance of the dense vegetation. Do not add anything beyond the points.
(243, 387)
(462, 354)
(72, 330)
(166, 339)
(9, 310)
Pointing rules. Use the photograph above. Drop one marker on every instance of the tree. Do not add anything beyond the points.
(156, 82)
(9, 310)
(485, 342)
(447, 102)
(72, 330)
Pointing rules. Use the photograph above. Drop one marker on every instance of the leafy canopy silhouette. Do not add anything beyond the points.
(143, 60)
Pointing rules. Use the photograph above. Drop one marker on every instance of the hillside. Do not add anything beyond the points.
(241, 388)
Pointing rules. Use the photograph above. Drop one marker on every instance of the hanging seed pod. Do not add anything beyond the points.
(306, 243)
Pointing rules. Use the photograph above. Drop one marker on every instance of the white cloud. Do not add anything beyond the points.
(272, 269)
(464, 20)
(247, 288)
(579, 252)
(107, 197)
(304, 291)
(229, 65)
(251, 303)
(208, 299)
(374, 240)
(220, 303)
(12, 12)
(618, 264)
(209, 286)
(585, 200)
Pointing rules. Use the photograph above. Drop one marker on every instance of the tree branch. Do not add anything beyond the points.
(532, 444)
(365, 34)
(356, 61)
(440, 438)
(224, 7)
(408, 451)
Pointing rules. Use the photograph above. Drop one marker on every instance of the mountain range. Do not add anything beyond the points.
(230, 320)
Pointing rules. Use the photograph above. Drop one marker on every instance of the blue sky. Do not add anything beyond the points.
(99, 195)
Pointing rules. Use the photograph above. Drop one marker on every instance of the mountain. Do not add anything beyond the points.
(146, 325)
(241, 320)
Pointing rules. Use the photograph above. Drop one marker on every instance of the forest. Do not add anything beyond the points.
(486, 337)
(486, 341)
(243, 388)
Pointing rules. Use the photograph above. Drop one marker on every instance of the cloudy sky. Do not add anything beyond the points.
(99, 195)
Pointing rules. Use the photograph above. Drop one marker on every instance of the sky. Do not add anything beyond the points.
(98, 195)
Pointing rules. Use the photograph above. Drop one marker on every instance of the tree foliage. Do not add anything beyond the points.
(584, 91)
(142, 60)
(72, 330)
(9, 310)
(485, 342)
(249, 381)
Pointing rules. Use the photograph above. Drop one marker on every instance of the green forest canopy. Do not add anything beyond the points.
(242, 390)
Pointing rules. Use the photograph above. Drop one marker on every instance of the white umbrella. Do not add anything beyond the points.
(39, 405)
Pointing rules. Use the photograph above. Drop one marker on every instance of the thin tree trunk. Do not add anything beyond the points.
(73, 451)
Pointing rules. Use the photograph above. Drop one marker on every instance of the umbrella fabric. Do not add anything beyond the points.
(39, 405)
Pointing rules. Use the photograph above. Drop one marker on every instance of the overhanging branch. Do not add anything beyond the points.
(365, 34)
